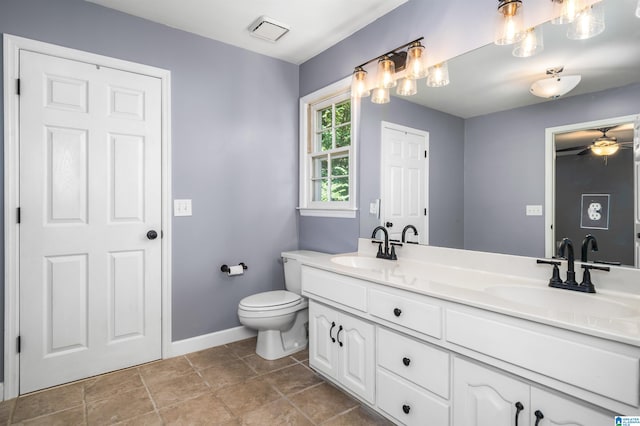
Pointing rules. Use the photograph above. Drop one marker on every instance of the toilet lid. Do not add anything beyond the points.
(271, 300)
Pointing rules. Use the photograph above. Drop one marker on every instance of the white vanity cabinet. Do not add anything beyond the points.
(486, 397)
(342, 347)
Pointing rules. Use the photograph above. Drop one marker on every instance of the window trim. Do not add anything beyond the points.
(306, 206)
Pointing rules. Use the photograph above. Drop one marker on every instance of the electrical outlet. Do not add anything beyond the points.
(182, 207)
(534, 210)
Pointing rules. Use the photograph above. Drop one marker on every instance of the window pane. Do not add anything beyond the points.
(343, 136)
(340, 166)
(343, 113)
(320, 167)
(320, 187)
(323, 142)
(340, 189)
(324, 118)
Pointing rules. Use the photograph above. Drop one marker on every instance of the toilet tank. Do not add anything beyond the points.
(292, 275)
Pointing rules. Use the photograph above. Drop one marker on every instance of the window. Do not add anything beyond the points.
(327, 170)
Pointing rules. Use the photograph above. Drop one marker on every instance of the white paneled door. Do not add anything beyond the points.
(405, 175)
(90, 216)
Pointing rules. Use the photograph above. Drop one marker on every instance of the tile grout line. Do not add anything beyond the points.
(153, 402)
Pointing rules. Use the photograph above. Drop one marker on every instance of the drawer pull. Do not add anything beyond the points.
(539, 416)
(333, 324)
(406, 361)
(406, 408)
(338, 335)
(519, 407)
(397, 312)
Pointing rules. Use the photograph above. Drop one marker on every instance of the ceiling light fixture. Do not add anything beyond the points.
(588, 23)
(389, 69)
(556, 85)
(268, 29)
(438, 75)
(510, 27)
(531, 44)
(605, 148)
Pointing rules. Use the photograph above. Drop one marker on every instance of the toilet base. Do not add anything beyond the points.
(274, 344)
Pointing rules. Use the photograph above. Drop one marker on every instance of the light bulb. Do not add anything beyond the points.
(386, 70)
(589, 23)
(509, 28)
(407, 87)
(438, 75)
(359, 83)
(531, 44)
(567, 11)
(416, 61)
(380, 95)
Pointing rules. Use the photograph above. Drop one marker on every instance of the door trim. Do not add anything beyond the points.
(12, 46)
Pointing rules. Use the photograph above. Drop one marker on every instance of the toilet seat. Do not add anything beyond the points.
(270, 301)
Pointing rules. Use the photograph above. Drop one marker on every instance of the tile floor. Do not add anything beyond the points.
(225, 385)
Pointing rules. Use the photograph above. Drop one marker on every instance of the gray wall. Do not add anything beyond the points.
(504, 167)
(234, 130)
(590, 174)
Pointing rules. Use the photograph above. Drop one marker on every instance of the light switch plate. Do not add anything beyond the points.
(534, 210)
(182, 207)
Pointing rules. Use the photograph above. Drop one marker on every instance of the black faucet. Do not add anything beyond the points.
(585, 246)
(404, 232)
(386, 254)
(571, 273)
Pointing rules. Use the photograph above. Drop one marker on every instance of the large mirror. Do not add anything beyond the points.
(490, 171)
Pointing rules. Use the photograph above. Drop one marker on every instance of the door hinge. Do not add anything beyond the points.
(18, 214)
(18, 87)
(19, 344)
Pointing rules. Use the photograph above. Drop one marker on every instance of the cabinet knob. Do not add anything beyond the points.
(397, 312)
(406, 361)
(406, 408)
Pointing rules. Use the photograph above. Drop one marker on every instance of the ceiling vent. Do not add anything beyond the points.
(268, 29)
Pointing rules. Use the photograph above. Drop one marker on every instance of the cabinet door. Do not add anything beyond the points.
(561, 411)
(484, 397)
(357, 366)
(323, 327)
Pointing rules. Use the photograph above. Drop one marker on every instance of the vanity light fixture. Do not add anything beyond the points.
(510, 26)
(567, 10)
(531, 44)
(555, 86)
(389, 67)
(438, 75)
(588, 23)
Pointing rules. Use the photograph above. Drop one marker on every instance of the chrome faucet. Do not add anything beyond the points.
(585, 246)
(571, 273)
(404, 232)
(386, 254)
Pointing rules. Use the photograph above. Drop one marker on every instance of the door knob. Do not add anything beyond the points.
(152, 235)
(389, 224)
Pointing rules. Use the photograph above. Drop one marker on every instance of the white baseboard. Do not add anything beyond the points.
(210, 340)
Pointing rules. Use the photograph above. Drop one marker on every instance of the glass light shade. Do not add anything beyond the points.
(380, 96)
(606, 149)
(386, 70)
(416, 61)
(589, 23)
(567, 11)
(510, 25)
(638, 9)
(438, 75)
(407, 87)
(554, 87)
(359, 83)
(531, 44)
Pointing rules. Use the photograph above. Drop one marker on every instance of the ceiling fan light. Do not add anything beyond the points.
(605, 149)
(588, 23)
(531, 44)
(554, 87)
(510, 25)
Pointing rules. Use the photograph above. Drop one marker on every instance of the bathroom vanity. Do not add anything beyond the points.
(455, 337)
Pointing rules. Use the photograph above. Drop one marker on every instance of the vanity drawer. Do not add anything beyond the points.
(345, 290)
(409, 404)
(415, 361)
(600, 366)
(409, 310)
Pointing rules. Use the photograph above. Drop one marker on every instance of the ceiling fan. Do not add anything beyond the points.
(602, 146)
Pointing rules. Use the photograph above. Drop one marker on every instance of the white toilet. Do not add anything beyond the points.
(281, 316)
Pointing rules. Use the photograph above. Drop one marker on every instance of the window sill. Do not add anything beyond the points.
(339, 213)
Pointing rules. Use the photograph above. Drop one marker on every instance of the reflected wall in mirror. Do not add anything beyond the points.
(487, 132)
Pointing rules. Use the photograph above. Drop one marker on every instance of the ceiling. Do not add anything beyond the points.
(491, 79)
(314, 25)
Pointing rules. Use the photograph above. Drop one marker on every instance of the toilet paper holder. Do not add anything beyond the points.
(225, 268)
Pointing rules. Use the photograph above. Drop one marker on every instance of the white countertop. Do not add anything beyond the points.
(608, 314)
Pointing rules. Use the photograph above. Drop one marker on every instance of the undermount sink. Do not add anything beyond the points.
(361, 262)
(564, 301)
